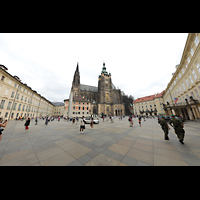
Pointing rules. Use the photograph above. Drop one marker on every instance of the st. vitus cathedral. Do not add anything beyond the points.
(104, 99)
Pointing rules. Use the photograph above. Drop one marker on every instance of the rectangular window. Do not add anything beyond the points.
(2, 104)
(194, 74)
(183, 70)
(183, 86)
(9, 105)
(190, 78)
(188, 59)
(191, 52)
(187, 82)
(196, 41)
(12, 95)
(15, 105)
(198, 67)
(6, 115)
(180, 88)
(19, 107)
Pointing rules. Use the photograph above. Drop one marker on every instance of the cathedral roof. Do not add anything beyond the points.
(88, 88)
(79, 98)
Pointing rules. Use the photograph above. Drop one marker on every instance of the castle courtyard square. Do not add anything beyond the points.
(106, 144)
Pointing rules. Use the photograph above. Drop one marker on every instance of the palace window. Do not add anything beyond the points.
(2, 103)
(180, 88)
(188, 84)
(196, 41)
(188, 59)
(198, 67)
(183, 86)
(191, 51)
(183, 70)
(194, 74)
(9, 105)
(179, 75)
(190, 78)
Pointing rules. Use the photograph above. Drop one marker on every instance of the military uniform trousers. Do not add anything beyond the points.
(166, 131)
(180, 133)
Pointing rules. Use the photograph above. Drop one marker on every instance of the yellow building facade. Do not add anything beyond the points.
(17, 99)
(149, 105)
(182, 95)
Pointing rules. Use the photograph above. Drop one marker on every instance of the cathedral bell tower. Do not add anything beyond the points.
(76, 82)
(105, 92)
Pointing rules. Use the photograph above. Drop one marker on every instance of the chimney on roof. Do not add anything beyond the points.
(3, 67)
(16, 77)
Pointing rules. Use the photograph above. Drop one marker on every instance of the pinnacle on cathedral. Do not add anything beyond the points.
(77, 69)
(104, 69)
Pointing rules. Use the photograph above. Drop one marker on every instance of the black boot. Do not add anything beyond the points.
(181, 141)
(166, 138)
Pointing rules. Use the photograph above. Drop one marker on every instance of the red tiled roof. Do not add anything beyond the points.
(149, 98)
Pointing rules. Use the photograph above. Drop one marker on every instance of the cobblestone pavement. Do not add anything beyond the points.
(107, 144)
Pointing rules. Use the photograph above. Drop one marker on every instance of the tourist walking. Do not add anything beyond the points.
(73, 120)
(27, 123)
(82, 126)
(91, 123)
(178, 128)
(164, 127)
(36, 121)
(139, 119)
(2, 125)
(131, 121)
(46, 121)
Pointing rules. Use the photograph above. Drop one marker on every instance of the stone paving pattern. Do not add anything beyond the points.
(107, 144)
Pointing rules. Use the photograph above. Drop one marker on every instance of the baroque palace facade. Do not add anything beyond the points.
(182, 95)
(17, 99)
(90, 100)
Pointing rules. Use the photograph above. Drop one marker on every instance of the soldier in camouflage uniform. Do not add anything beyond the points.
(164, 126)
(178, 127)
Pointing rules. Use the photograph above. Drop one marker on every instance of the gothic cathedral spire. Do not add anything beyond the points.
(76, 82)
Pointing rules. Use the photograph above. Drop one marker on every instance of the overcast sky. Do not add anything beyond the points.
(141, 64)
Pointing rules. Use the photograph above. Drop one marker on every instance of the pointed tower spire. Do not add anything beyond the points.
(77, 69)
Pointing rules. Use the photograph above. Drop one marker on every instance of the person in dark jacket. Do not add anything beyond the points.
(27, 124)
(178, 128)
(164, 127)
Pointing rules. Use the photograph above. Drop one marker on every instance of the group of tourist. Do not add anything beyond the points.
(174, 122)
